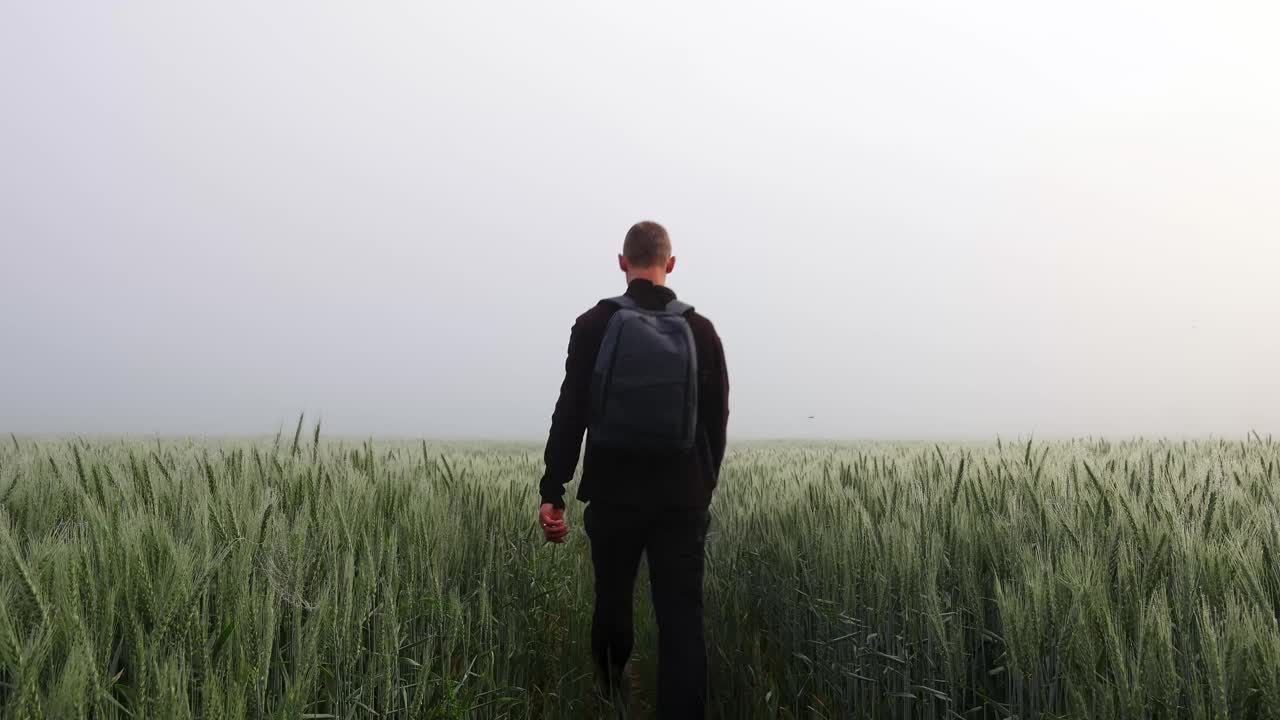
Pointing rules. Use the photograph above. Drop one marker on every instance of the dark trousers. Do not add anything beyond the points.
(674, 542)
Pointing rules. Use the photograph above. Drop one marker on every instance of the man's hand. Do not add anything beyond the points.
(552, 520)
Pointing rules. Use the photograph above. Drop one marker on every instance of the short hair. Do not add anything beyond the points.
(647, 244)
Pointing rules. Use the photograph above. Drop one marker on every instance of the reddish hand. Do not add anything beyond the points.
(551, 519)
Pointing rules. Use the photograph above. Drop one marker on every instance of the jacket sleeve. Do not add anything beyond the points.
(715, 408)
(569, 421)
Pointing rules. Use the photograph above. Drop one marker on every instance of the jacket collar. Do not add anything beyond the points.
(641, 289)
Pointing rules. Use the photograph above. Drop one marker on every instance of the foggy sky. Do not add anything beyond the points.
(907, 219)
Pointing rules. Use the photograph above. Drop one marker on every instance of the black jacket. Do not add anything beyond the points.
(630, 478)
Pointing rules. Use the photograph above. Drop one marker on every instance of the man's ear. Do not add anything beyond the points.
(623, 265)
(671, 264)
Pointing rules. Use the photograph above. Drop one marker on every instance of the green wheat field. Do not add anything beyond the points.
(316, 577)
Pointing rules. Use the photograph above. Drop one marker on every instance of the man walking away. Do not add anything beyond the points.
(645, 379)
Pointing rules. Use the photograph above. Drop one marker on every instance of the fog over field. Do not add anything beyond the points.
(907, 219)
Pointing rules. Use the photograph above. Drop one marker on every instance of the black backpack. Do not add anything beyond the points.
(644, 391)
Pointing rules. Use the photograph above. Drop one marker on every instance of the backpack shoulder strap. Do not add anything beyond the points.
(621, 301)
(678, 308)
(675, 307)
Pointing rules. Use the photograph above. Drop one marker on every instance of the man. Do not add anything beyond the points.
(652, 461)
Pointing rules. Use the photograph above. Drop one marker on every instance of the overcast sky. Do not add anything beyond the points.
(907, 219)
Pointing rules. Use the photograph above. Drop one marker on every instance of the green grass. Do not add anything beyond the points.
(320, 578)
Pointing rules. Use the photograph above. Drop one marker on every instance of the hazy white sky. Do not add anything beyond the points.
(906, 218)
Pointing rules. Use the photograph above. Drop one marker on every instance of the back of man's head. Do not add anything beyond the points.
(647, 245)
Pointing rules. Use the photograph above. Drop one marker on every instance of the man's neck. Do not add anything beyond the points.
(658, 279)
